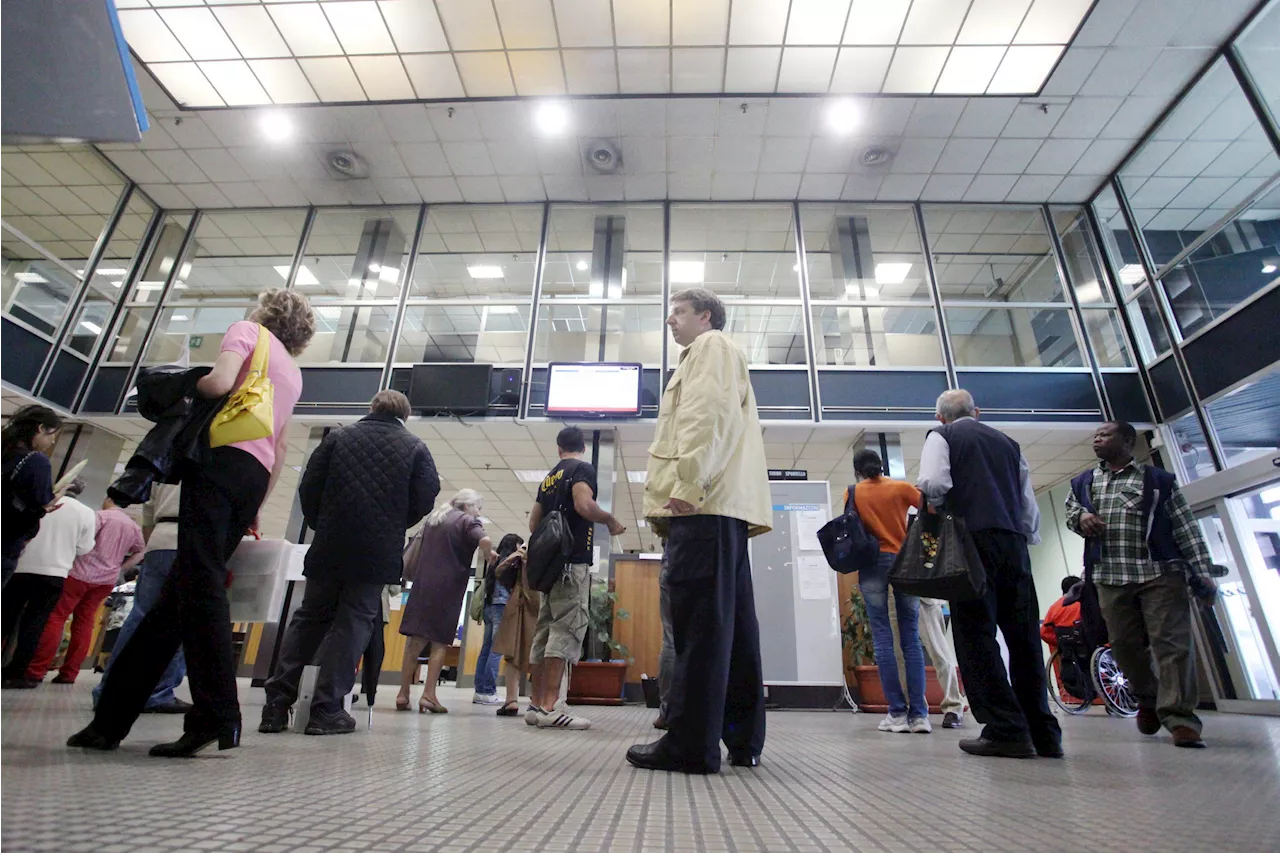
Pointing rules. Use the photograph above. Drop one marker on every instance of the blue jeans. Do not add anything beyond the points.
(874, 584)
(487, 663)
(155, 569)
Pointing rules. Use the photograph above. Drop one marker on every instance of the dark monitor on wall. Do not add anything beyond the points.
(458, 388)
(593, 389)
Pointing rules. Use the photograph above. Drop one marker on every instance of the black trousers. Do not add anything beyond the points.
(219, 502)
(717, 688)
(1009, 712)
(27, 602)
(330, 628)
(371, 663)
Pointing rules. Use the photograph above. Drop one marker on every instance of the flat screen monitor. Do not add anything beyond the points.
(597, 389)
(450, 387)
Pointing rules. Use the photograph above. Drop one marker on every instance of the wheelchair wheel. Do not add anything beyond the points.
(1112, 684)
(1057, 691)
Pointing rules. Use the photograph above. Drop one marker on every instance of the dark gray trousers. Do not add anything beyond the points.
(331, 628)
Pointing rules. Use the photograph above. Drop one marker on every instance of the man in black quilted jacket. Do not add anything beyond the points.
(364, 486)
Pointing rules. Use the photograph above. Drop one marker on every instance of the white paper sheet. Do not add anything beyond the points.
(814, 576)
(297, 561)
(807, 524)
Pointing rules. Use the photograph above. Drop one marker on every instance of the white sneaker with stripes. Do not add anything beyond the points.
(531, 715)
(561, 720)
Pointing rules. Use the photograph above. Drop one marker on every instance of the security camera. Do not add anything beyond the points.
(603, 156)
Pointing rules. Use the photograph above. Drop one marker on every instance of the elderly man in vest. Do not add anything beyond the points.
(706, 492)
(979, 474)
(1142, 548)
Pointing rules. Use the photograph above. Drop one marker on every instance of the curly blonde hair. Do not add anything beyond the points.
(287, 314)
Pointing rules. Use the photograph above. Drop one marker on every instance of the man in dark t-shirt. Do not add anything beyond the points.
(570, 488)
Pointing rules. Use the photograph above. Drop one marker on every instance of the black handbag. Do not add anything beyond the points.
(550, 548)
(939, 560)
(846, 543)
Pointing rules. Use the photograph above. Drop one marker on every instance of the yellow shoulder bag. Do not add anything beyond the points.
(249, 413)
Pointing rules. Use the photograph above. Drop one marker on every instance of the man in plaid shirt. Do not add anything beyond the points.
(1141, 542)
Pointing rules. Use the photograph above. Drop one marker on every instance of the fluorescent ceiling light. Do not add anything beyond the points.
(30, 278)
(104, 271)
(389, 274)
(305, 276)
(93, 328)
(552, 119)
(151, 285)
(1270, 496)
(503, 309)
(530, 476)
(582, 266)
(637, 476)
(688, 272)
(485, 271)
(180, 318)
(1132, 274)
(1268, 269)
(276, 126)
(843, 117)
(116, 283)
(892, 273)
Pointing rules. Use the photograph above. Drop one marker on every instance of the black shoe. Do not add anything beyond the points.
(62, 679)
(275, 719)
(743, 759)
(1049, 750)
(227, 737)
(340, 723)
(177, 706)
(19, 684)
(651, 756)
(91, 738)
(951, 720)
(999, 748)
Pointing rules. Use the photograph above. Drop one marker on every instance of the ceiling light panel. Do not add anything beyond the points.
(395, 50)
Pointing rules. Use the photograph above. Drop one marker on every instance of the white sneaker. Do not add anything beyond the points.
(486, 699)
(558, 720)
(531, 715)
(897, 725)
(920, 726)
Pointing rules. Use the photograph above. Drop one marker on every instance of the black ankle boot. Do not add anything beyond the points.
(91, 738)
(228, 737)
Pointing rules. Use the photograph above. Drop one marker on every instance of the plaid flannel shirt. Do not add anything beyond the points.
(1117, 496)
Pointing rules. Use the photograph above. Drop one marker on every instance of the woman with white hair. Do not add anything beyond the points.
(439, 571)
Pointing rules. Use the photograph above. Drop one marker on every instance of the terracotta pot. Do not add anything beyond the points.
(597, 683)
(870, 695)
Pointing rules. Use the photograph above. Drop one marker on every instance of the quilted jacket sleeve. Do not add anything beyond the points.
(311, 489)
(424, 487)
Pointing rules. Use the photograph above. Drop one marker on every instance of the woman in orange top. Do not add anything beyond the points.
(882, 504)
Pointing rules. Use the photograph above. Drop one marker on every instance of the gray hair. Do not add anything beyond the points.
(700, 299)
(75, 487)
(465, 499)
(954, 405)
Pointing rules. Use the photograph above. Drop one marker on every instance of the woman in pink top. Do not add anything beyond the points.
(220, 502)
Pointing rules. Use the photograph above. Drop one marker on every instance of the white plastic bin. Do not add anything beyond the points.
(259, 570)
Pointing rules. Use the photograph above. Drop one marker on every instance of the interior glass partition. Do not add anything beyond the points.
(1139, 299)
(1098, 313)
(1259, 50)
(143, 293)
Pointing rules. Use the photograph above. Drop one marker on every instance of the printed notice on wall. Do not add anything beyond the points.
(807, 524)
(814, 576)
(297, 562)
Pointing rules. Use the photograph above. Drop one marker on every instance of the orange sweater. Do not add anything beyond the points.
(882, 504)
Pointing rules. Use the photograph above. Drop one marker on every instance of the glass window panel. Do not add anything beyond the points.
(1247, 421)
(128, 338)
(1013, 337)
(107, 283)
(576, 332)
(1118, 241)
(581, 260)
(1205, 158)
(768, 334)
(145, 293)
(1082, 258)
(874, 336)
(1106, 336)
(992, 253)
(1259, 48)
(734, 250)
(483, 333)
(1191, 448)
(356, 254)
(237, 255)
(862, 253)
(37, 292)
(1144, 314)
(478, 252)
(193, 333)
(348, 334)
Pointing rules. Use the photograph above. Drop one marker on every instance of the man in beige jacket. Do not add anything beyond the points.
(706, 492)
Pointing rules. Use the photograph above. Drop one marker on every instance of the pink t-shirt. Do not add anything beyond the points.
(117, 538)
(284, 374)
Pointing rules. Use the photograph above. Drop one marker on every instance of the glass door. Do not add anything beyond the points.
(1255, 516)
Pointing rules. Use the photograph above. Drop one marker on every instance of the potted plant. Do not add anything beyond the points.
(599, 678)
(858, 642)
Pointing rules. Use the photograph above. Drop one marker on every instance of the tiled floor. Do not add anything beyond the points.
(470, 781)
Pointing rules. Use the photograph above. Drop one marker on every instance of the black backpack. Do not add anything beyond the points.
(550, 548)
(845, 541)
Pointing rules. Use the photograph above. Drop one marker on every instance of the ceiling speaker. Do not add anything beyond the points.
(603, 156)
(344, 165)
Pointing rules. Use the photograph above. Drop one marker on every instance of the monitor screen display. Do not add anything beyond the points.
(602, 389)
(450, 387)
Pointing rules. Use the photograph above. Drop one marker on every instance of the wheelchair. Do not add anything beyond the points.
(1077, 675)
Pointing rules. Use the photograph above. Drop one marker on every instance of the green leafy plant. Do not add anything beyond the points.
(600, 616)
(855, 633)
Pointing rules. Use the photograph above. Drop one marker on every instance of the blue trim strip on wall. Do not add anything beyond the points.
(126, 62)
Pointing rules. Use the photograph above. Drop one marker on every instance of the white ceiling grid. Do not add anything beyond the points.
(208, 53)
